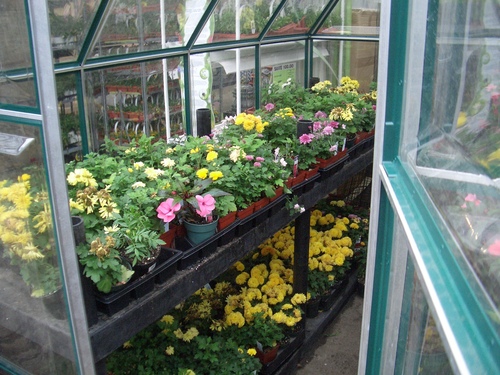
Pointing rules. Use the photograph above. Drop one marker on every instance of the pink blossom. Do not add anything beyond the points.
(328, 130)
(317, 126)
(320, 114)
(269, 107)
(206, 205)
(334, 124)
(374, 107)
(259, 158)
(166, 210)
(334, 148)
(343, 126)
(494, 248)
(472, 198)
(491, 87)
(257, 164)
(306, 138)
(249, 157)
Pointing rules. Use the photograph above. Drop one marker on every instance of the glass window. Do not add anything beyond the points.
(333, 60)
(132, 26)
(357, 17)
(127, 101)
(33, 321)
(456, 149)
(69, 24)
(16, 72)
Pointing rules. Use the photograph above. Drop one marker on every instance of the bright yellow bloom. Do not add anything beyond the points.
(216, 175)
(239, 266)
(251, 352)
(170, 350)
(212, 155)
(202, 173)
(168, 319)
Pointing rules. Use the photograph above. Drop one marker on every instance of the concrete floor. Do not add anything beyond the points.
(336, 353)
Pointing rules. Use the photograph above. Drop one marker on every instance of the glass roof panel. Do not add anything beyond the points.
(297, 17)
(136, 25)
(16, 78)
(70, 22)
(356, 17)
(253, 17)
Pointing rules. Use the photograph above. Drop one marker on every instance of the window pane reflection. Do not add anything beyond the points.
(34, 331)
(16, 71)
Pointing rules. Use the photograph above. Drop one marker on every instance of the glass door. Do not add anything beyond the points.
(434, 258)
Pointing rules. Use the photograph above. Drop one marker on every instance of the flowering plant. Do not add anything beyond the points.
(26, 232)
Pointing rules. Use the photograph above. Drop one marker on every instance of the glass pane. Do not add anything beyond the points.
(34, 328)
(458, 138)
(69, 24)
(357, 17)
(135, 25)
(68, 116)
(420, 348)
(333, 60)
(16, 71)
(127, 101)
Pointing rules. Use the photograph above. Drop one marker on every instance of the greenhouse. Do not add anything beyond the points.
(205, 186)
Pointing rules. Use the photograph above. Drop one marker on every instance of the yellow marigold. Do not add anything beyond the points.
(346, 241)
(127, 345)
(287, 306)
(323, 221)
(212, 155)
(279, 317)
(194, 150)
(235, 318)
(279, 245)
(251, 352)
(298, 299)
(202, 173)
(354, 226)
(216, 175)
(339, 259)
(190, 334)
(253, 282)
(290, 322)
(239, 266)
(313, 220)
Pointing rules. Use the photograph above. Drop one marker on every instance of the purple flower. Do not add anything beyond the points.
(259, 159)
(316, 126)
(320, 114)
(269, 107)
(257, 164)
(249, 157)
(334, 124)
(374, 107)
(306, 138)
(327, 130)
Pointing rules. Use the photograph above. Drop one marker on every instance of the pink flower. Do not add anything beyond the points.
(472, 198)
(317, 126)
(374, 107)
(206, 205)
(257, 164)
(328, 130)
(494, 248)
(269, 107)
(166, 210)
(334, 124)
(249, 157)
(259, 158)
(320, 114)
(306, 138)
(334, 148)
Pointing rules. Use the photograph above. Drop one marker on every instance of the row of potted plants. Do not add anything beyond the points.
(252, 307)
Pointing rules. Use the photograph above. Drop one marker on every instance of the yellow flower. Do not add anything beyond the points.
(253, 282)
(194, 150)
(202, 173)
(212, 155)
(153, 173)
(216, 175)
(242, 278)
(170, 350)
(168, 319)
(239, 266)
(235, 318)
(127, 345)
(251, 352)
(298, 299)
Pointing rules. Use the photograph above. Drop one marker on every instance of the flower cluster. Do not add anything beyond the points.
(26, 232)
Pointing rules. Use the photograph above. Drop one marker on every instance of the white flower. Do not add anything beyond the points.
(168, 163)
(138, 184)
(283, 162)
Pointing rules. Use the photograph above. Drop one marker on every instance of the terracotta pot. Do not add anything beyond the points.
(226, 220)
(312, 172)
(261, 203)
(268, 355)
(243, 213)
(278, 193)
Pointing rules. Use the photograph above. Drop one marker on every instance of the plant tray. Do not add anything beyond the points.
(329, 171)
(167, 264)
(328, 300)
(276, 205)
(305, 185)
(228, 233)
(191, 254)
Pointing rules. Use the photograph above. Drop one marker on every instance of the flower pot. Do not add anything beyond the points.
(197, 233)
(267, 355)
(54, 304)
(278, 193)
(261, 203)
(312, 308)
(245, 212)
(226, 220)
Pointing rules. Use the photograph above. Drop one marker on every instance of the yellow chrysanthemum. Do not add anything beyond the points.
(202, 173)
(216, 175)
(170, 350)
(212, 155)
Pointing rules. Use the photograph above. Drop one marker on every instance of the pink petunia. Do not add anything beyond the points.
(306, 138)
(206, 205)
(472, 198)
(167, 209)
(494, 248)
